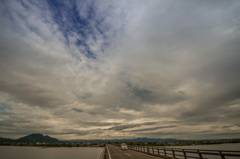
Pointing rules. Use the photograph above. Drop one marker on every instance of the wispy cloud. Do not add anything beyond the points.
(84, 68)
(123, 127)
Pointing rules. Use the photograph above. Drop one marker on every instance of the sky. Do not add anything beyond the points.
(106, 69)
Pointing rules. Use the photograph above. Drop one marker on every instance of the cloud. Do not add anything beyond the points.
(88, 67)
(123, 127)
(77, 110)
(153, 128)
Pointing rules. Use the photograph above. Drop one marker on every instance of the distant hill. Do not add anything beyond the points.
(33, 138)
(6, 140)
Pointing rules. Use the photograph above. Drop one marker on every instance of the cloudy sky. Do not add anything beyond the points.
(95, 69)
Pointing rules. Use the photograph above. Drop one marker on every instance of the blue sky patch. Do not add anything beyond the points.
(3, 107)
(70, 21)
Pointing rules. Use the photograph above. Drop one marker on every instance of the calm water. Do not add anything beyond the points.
(16, 152)
(233, 147)
(230, 147)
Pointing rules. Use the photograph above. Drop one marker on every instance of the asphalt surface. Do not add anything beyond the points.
(115, 152)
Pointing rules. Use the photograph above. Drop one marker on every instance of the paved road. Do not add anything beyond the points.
(116, 153)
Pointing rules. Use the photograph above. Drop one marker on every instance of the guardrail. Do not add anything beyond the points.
(186, 153)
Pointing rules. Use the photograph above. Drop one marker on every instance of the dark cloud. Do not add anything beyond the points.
(143, 94)
(151, 129)
(77, 110)
(88, 123)
(123, 127)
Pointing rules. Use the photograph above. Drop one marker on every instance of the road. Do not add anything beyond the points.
(116, 153)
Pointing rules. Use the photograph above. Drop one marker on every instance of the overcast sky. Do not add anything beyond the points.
(95, 69)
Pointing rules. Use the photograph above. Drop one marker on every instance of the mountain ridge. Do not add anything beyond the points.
(40, 138)
(32, 138)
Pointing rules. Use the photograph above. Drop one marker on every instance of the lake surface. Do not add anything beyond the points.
(228, 147)
(232, 147)
(17, 152)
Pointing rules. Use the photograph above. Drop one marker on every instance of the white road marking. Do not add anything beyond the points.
(109, 156)
(127, 154)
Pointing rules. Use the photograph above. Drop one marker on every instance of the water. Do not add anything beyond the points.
(228, 147)
(14, 152)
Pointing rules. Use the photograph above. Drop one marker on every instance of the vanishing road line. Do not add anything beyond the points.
(109, 156)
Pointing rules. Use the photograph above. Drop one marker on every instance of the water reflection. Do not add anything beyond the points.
(14, 152)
